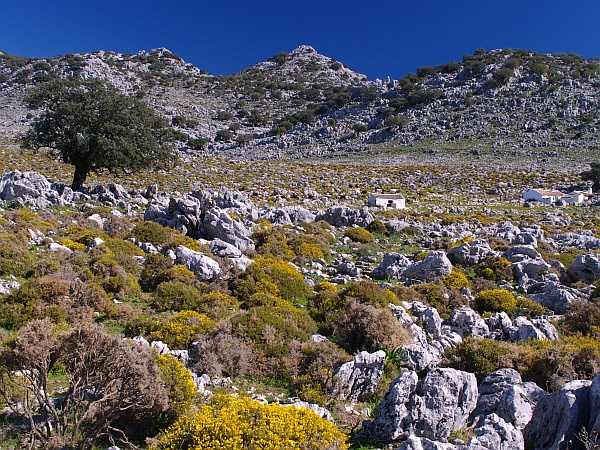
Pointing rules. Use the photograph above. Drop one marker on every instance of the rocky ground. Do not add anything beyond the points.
(455, 277)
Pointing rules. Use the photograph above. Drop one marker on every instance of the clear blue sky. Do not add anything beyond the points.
(377, 38)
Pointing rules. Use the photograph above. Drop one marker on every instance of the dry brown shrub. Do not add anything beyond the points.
(220, 353)
(117, 226)
(481, 284)
(363, 326)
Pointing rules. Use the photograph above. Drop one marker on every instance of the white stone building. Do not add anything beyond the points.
(545, 196)
(396, 201)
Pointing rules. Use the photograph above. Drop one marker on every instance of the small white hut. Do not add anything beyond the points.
(396, 201)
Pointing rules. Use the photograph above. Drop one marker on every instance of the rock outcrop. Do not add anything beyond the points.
(341, 216)
(357, 379)
(433, 266)
(33, 189)
(585, 268)
(471, 253)
(204, 267)
(432, 408)
(560, 416)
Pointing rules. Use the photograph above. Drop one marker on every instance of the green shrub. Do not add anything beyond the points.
(218, 305)
(121, 247)
(359, 234)
(501, 77)
(377, 226)
(15, 259)
(479, 356)
(528, 308)
(151, 232)
(364, 326)
(273, 328)
(224, 135)
(159, 269)
(175, 296)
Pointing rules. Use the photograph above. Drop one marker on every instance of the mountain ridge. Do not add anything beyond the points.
(304, 104)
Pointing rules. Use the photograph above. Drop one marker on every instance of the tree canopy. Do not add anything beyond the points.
(91, 125)
(593, 175)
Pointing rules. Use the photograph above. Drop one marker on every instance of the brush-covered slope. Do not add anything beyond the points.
(305, 104)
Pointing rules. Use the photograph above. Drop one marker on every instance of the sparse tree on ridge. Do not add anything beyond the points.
(89, 124)
(593, 175)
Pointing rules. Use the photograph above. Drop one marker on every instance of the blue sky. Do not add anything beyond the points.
(375, 38)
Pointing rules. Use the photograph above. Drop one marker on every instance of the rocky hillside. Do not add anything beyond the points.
(303, 104)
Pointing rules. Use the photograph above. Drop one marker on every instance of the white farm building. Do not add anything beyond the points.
(545, 196)
(550, 197)
(396, 201)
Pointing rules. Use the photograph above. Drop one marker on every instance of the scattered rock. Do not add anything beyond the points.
(471, 253)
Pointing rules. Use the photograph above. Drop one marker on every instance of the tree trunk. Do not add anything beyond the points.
(81, 172)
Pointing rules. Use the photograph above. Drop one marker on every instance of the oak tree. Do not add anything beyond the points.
(94, 127)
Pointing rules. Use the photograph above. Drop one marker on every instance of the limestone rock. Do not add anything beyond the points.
(318, 410)
(433, 266)
(393, 265)
(33, 189)
(287, 215)
(391, 413)
(503, 393)
(341, 216)
(471, 253)
(467, 322)
(494, 433)
(442, 403)
(432, 408)
(500, 326)
(220, 225)
(585, 268)
(54, 247)
(204, 267)
(559, 416)
(594, 423)
(521, 253)
(224, 249)
(533, 269)
(357, 379)
(555, 296)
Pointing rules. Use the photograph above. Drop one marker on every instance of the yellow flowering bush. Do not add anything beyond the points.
(495, 300)
(456, 280)
(179, 385)
(230, 423)
(178, 331)
(310, 251)
(72, 245)
(359, 234)
(286, 278)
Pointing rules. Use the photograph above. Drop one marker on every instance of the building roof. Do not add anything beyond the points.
(549, 192)
(388, 196)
